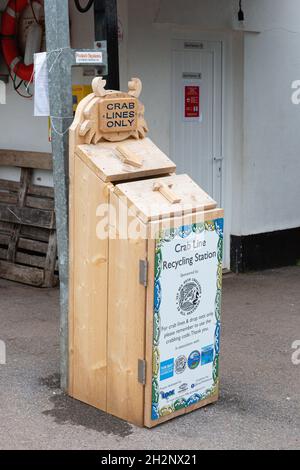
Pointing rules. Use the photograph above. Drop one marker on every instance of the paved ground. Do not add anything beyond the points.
(260, 399)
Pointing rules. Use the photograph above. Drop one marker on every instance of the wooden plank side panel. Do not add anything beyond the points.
(13, 242)
(154, 228)
(50, 262)
(41, 191)
(126, 328)
(74, 138)
(25, 259)
(34, 233)
(4, 238)
(27, 216)
(27, 222)
(23, 274)
(25, 159)
(8, 198)
(32, 245)
(9, 185)
(40, 203)
(6, 227)
(88, 308)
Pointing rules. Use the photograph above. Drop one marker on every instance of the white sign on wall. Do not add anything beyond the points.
(89, 57)
(41, 87)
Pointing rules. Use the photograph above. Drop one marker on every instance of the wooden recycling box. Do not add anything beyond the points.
(146, 250)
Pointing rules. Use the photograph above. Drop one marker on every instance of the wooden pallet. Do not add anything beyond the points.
(28, 247)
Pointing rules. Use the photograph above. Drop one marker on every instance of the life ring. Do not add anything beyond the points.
(10, 49)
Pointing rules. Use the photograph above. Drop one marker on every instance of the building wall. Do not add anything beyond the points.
(271, 163)
(261, 144)
(151, 28)
(260, 123)
(20, 130)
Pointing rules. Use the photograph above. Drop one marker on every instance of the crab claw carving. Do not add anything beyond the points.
(98, 85)
(89, 127)
(135, 87)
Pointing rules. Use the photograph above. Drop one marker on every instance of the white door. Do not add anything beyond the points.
(196, 136)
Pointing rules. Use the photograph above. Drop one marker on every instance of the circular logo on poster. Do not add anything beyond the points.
(194, 360)
(180, 364)
(188, 296)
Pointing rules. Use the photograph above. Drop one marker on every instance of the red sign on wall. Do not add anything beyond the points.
(192, 101)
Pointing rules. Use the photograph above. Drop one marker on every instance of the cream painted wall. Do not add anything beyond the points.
(261, 144)
(271, 163)
(260, 123)
(148, 28)
(152, 25)
(151, 28)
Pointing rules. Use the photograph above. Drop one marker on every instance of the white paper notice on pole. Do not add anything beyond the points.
(41, 89)
(88, 57)
(187, 304)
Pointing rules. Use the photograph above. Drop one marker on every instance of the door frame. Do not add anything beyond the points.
(214, 49)
(227, 139)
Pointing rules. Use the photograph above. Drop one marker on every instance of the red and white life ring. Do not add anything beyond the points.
(10, 48)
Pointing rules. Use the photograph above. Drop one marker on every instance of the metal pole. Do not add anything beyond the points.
(61, 111)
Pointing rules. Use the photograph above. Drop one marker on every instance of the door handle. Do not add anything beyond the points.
(218, 159)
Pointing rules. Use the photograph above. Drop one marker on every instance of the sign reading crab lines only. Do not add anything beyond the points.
(118, 114)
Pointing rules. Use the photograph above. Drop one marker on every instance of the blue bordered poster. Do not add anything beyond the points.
(187, 309)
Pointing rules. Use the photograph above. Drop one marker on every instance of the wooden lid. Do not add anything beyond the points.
(131, 159)
(164, 197)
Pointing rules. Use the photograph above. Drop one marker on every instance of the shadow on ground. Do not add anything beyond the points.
(68, 411)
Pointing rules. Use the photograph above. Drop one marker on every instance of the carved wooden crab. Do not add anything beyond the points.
(112, 115)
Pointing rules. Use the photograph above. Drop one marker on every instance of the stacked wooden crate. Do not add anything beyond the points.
(28, 247)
